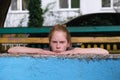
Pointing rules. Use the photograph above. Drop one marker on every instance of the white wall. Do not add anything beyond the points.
(93, 6)
(90, 6)
(55, 15)
(16, 19)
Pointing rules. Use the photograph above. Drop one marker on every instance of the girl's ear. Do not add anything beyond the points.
(69, 45)
(49, 44)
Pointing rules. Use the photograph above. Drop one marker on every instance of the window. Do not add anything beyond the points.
(24, 4)
(63, 3)
(75, 3)
(110, 3)
(19, 5)
(106, 3)
(116, 3)
(14, 5)
(69, 4)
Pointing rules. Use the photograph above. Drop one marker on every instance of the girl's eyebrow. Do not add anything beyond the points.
(62, 41)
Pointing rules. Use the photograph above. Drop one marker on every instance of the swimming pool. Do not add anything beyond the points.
(80, 67)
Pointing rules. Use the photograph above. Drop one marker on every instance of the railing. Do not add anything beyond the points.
(107, 37)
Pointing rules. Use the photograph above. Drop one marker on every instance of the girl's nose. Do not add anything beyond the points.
(58, 46)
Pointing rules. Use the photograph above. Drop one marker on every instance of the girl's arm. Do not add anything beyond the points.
(17, 50)
(87, 51)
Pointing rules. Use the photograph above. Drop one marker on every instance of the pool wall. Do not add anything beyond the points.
(59, 68)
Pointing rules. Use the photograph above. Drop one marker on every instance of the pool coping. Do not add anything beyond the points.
(80, 56)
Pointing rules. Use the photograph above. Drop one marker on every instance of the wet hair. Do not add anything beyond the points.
(61, 28)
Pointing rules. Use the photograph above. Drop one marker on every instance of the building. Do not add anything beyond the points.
(59, 10)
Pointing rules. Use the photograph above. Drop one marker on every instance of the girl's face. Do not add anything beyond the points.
(58, 42)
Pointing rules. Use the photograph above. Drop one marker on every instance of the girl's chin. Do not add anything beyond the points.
(58, 52)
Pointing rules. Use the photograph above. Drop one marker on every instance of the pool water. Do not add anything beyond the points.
(58, 68)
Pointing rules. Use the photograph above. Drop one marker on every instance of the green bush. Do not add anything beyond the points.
(35, 13)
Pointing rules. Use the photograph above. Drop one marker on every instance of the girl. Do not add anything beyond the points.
(60, 43)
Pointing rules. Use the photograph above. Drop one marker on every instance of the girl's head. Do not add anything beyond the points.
(59, 38)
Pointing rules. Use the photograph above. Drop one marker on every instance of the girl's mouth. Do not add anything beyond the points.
(58, 51)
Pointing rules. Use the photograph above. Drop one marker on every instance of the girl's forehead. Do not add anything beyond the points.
(59, 33)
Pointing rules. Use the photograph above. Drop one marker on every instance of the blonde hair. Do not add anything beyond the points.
(62, 28)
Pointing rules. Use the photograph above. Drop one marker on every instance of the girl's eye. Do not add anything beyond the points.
(54, 41)
(62, 42)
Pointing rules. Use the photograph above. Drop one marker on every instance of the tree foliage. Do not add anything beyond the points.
(35, 13)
